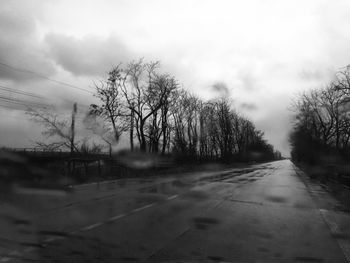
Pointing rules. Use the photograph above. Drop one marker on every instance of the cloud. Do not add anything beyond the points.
(275, 121)
(21, 47)
(248, 80)
(221, 89)
(89, 55)
(256, 48)
(248, 106)
(316, 74)
(311, 74)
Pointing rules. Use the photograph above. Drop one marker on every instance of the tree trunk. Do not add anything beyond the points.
(164, 130)
(143, 145)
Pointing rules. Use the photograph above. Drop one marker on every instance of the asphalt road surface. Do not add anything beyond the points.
(263, 213)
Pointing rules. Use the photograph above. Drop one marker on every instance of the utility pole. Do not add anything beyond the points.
(132, 119)
(74, 112)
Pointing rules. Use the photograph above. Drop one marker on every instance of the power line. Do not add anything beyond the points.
(35, 95)
(12, 102)
(43, 76)
(21, 102)
(21, 92)
(27, 104)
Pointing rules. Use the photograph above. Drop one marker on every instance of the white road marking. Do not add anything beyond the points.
(116, 217)
(142, 208)
(172, 197)
(92, 226)
(51, 239)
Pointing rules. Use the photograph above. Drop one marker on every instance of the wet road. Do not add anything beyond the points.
(263, 213)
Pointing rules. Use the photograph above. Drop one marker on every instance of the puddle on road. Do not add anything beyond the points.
(203, 223)
(308, 259)
(216, 258)
(197, 195)
(263, 249)
(129, 259)
(299, 205)
(264, 235)
(53, 233)
(76, 252)
(145, 199)
(166, 188)
(277, 199)
(33, 245)
(151, 189)
(18, 221)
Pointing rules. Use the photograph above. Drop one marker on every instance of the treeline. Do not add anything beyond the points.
(159, 116)
(321, 130)
(156, 115)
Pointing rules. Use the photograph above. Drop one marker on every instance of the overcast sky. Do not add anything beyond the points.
(264, 51)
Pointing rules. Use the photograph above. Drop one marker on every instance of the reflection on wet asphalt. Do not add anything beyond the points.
(263, 213)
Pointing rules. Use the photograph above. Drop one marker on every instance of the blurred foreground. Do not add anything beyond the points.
(268, 212)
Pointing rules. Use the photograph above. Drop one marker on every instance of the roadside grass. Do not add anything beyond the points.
(60, 170)
(334, 177)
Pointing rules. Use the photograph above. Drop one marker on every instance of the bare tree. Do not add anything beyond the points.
(136, 98)
(322, 120)
(342, 80)
(162, 115)
(60, 130)
(112, 108)
(159, 123)
(145, 92)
